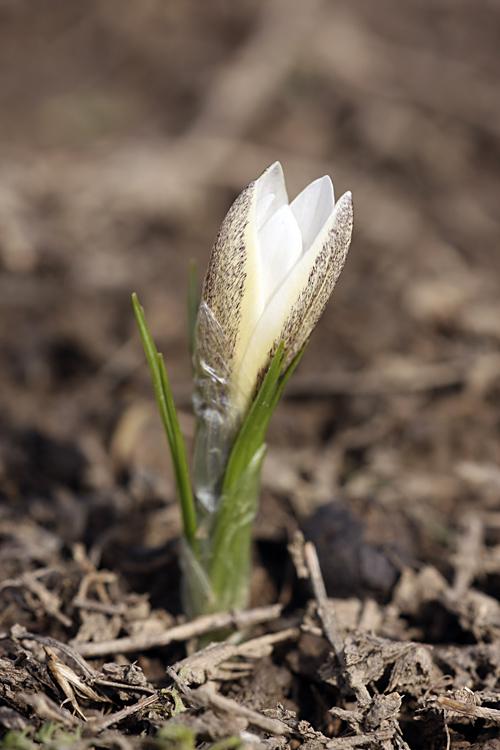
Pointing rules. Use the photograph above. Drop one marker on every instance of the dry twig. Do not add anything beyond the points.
(205, 664)
(18, 633)
(184, 632)
(118, 716)
(327, 616)
(207, 696)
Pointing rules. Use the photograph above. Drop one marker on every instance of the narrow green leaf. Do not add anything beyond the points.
(285, 377)
(231, 550)
(227, 743)
(232, 543)
(179, 459)
(196, 589)
(171, 424)
(176, 736)
(253, 431)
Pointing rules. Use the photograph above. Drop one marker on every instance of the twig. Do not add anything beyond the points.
(471, 711)
(184, 632)
(94, 606)
(207, 696)
(203, 665)
(125, 712)
(179, 681)
(326, 614)
(101, 682)
(18, 633)
(325, 608)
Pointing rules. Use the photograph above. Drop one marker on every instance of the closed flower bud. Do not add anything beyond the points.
(271, 272)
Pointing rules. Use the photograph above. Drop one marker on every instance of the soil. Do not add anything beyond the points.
(126, 131)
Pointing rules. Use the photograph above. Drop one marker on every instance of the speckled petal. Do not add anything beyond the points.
(296, 308)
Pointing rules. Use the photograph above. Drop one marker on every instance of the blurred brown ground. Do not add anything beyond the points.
(126, 129)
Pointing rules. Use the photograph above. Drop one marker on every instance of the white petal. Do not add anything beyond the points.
(312, 208)
(280, 244)
(236, 289)
(267, 194)
(270, 183)
(233, 289)
(262, 212)
(272, 269)
(296, 307)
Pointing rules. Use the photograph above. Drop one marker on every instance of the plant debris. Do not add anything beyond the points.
(127, 129)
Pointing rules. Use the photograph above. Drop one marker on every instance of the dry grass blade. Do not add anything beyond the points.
(70, 682)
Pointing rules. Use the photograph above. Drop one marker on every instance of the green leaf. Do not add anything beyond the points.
(196, 589)
(170, 420)
(253, 431)
(176, 736)
(231, 550)
(14, 740)
(232, 543)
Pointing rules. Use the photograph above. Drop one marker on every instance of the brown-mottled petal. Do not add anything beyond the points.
(308, 309)
(297, 307)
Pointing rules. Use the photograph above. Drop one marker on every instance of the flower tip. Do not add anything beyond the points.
(271, 184)
(274, 170)
(344, 212)
(345, 202)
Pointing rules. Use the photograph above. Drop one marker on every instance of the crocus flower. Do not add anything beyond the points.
(271, 272)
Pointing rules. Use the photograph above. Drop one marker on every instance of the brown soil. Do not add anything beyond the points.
(126, 129)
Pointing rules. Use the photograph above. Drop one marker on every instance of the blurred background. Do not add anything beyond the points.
(127, 129)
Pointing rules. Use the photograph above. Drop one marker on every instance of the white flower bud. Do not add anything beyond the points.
(271, 272)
